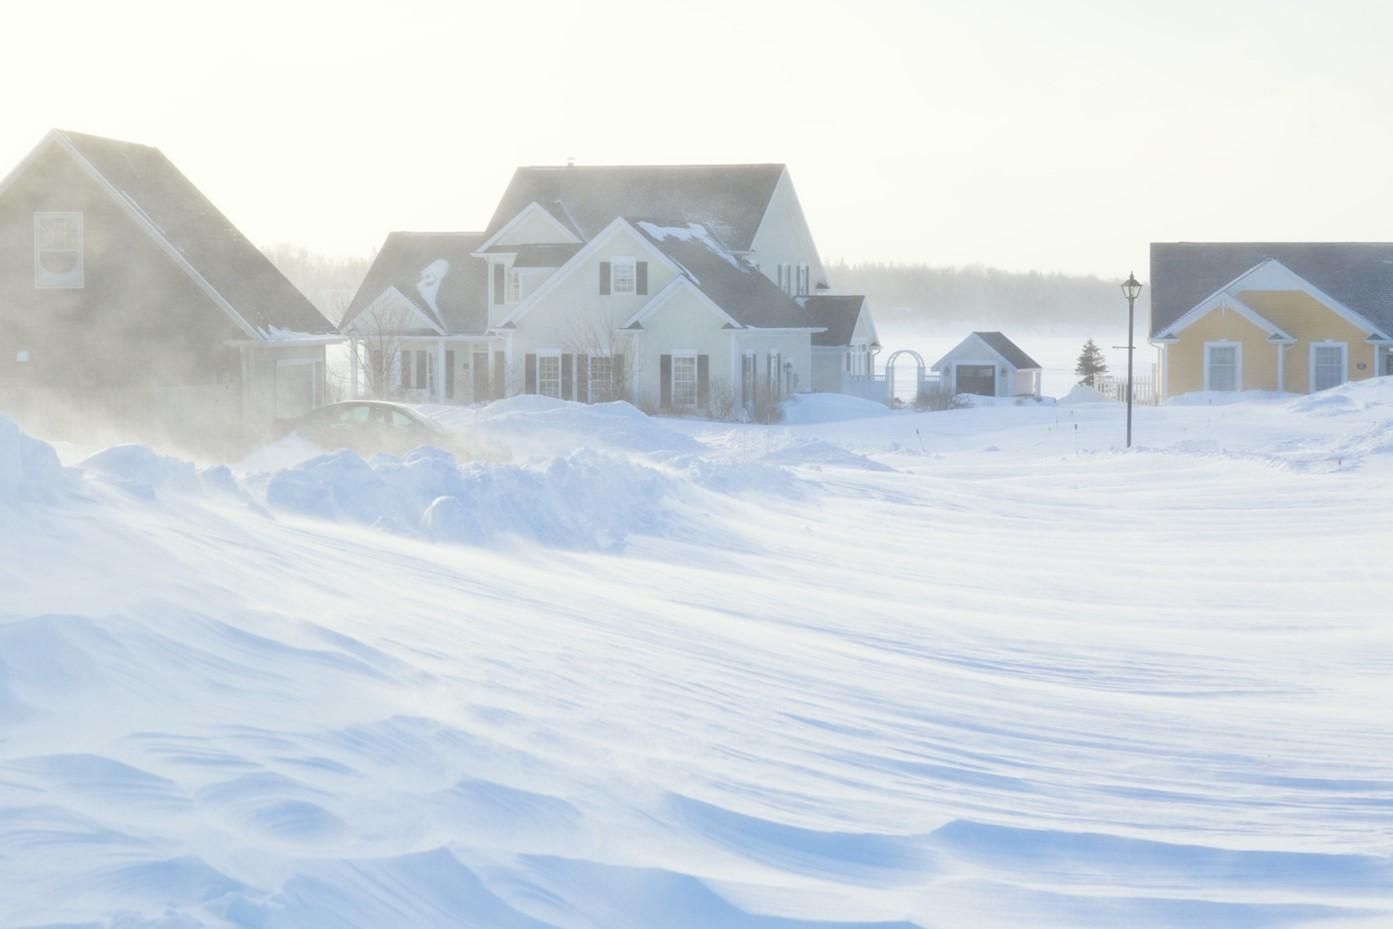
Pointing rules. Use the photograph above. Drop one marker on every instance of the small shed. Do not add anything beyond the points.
(990, 365)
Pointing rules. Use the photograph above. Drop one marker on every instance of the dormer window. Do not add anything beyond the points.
(58, 250)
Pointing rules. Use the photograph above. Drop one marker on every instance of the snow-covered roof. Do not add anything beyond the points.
(729, 201)
(217, 255)
(746, 295)
(436, 273)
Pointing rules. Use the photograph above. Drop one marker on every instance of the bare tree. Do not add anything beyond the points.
(595, 336)
(380, 334)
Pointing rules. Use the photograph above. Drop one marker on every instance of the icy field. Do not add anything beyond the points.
(968, 669)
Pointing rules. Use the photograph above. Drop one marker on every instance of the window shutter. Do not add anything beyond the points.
(641, 277)
(703, 381)
(583, 379)
(665, 385)
(617, 372)
(568, 373)
(604, 278)
(500, 375)
(498, 283)
(531, 375)
(449, 374)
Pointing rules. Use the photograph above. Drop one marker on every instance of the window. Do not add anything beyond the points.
(804, 278)
(774, 374)
(58, 250)
(514, 286)
(1328, 364)
(1222, 366)
(684, 380)
(601, 378)
(549, 375)
(784, 278)
(621, 276)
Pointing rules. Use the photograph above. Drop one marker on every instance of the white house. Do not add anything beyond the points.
(990, 365)
(683, 288)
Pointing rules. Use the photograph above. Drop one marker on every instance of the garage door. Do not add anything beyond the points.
(976, 379)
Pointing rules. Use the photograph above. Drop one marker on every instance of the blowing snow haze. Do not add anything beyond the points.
(611, 466)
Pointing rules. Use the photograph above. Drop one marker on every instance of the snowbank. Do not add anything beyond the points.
(1226, 397)
(810, 409)
(531, 425)
(583, 500)
(29, 469)
(1372, 395)
(1083, 393)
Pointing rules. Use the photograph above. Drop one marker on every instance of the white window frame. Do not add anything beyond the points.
(1311, 362)
(696, 380)
(606, 383)
(549, 354)
(804, 279)
(1237, 362)
(623, 261)
(514, 285)
(70, 280)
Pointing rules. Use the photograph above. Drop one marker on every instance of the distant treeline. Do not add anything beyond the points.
(328, 282)
(914, 295)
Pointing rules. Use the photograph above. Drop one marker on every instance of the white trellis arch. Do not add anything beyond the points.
(920, 371)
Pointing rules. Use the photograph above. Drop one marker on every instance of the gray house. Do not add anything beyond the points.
(127, 299)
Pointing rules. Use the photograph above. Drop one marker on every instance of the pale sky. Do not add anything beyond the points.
(1026, 135)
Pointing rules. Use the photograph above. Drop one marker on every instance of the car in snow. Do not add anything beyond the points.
(366, 427)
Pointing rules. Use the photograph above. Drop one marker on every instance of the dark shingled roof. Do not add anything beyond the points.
(463, 295)
(748, 296)
(231, 264)
(1358, 274)
(728, 200)
(838, 312)
(543, 256)
(1008, 350)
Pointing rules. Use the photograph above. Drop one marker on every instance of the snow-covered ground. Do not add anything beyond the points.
(977, 668)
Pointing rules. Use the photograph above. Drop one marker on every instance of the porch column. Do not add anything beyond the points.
(440, 371)
(352, 369)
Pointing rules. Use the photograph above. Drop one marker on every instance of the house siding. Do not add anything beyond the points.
(1185, 364)
(784, 237)
(1308, 320)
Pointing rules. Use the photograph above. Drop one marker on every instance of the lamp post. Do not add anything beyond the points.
(1132, 288)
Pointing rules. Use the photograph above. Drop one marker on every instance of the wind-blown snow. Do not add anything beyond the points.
(973, 668)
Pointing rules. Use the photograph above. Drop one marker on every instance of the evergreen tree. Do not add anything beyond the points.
(1091, 363)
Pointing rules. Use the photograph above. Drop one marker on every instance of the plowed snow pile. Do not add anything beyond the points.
(976, 668)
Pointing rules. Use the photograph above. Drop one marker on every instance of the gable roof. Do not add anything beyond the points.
(746, 295)
(197, 235)
(436, 273)
(1357, 274)
(1008, 350)
(838, 312)
(728, 200)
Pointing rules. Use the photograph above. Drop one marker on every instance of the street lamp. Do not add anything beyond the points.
(1132, 288)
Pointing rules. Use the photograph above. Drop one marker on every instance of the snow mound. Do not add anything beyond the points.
(1226, 397)
(1350, 397)
(29, 469)
(141, 470)
(535, 425)
(1082, 393)
(813, 409)
(583, 500)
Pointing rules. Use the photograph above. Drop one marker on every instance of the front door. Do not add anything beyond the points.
(481, 376)
(975, 379)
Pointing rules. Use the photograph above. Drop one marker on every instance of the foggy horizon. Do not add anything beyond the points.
(993, 134)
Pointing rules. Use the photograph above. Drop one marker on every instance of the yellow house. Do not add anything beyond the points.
(1293, 317)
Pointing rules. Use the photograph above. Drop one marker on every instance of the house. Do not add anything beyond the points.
(847, 346)
(126, 298)
(1297, 317)
(683, 288)
(990, 365)
(419, 323)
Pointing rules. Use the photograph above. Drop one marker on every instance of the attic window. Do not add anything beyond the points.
(58, 250)
(621, 276)
(803, 278)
